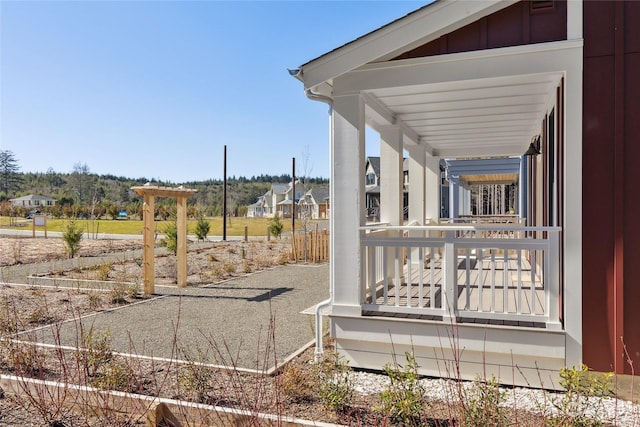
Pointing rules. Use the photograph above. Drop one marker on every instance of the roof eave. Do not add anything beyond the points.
(418, 27)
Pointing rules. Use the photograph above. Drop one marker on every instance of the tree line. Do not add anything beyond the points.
(80, 193)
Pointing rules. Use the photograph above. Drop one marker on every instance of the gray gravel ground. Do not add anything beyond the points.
(228, 322)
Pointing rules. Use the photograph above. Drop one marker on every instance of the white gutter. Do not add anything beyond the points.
(319, 350)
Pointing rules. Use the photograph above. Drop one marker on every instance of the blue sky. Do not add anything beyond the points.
(156, 89)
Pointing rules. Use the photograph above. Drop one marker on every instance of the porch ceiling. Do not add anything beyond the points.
(470, 118)
(501, 178)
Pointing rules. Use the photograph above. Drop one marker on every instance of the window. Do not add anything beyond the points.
(370, 179)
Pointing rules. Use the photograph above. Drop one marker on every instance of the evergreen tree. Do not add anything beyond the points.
(9, 178)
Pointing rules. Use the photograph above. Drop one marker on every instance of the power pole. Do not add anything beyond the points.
(224, 197)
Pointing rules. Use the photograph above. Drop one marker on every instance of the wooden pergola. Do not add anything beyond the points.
(150, 192)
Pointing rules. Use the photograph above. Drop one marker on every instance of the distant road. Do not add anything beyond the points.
(11, 232)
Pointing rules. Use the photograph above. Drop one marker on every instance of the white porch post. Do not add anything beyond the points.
(391, 176)
(391, 193)
(432, 182)
(522, 189)
(417, 185)
(347, 201)
(454, 197)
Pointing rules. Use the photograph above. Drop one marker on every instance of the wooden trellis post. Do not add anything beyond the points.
(149, 193)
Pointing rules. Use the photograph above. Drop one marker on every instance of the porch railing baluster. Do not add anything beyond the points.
(493, 283)
(397, 261)
(432, 278)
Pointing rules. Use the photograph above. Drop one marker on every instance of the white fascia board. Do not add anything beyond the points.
(552, 57)
(404, 34)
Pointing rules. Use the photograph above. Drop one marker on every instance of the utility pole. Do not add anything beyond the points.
(224, 197)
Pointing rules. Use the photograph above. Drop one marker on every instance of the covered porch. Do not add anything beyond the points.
(467, 294)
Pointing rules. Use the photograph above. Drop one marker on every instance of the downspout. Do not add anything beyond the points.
(319, 351)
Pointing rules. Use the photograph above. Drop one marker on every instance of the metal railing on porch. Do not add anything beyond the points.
(479, 273)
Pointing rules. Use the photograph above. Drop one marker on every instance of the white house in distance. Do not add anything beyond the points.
(32, 201)
(493, 79)
(315, 203)
(278, 200)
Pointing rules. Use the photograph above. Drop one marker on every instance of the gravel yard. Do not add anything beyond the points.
(227, 273)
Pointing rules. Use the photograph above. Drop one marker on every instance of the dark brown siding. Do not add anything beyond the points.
(611, 146)
(515, 25)
(632, 202)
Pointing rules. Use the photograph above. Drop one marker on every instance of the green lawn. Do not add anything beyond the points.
(235, 226)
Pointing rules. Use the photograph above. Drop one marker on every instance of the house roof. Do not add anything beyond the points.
(280, 188)
(460, 105)
(319, 194)
(32, 197)
(375, 164)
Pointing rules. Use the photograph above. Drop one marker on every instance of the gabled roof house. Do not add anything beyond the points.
(33, 200)
(278, 200)
(551, 84)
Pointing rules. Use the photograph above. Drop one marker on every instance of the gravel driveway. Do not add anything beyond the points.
(228, 322)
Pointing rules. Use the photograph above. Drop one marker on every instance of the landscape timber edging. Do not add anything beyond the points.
(142, 406)
(61, 282)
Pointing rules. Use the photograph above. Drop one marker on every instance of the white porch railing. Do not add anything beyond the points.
(463, 273)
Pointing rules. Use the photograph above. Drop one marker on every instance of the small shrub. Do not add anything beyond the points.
(96, 351)
(27, 360)
(40, 315)
(335, 388)
(404, 400)
(276, 226)
(132, 290)
(95, 300)
(296, 383)
(170, 240)
(72, 235)
(573, 407)
(213, 258)
(196, 380)
(8, 316)
(283, 258)
(230, 267)
(118, 293)
(116, 374)
(103, 271)
(246, 267)
(482, 404)
(202, 228)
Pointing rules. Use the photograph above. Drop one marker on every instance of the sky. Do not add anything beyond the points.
(156, 89)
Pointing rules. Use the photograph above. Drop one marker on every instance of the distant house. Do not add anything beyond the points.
(278, 200)
(315, 203)
(372, 175)
(32, 200)
(256, 210)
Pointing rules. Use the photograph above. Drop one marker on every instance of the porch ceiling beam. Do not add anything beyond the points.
(480, 119)
(465, 94)
(539, 100)
(378, 115)
(473, 112)
(484, 151)
(533, 59)
(481, 171)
